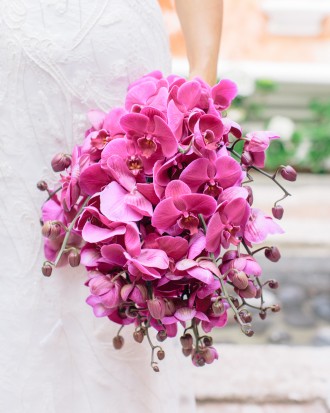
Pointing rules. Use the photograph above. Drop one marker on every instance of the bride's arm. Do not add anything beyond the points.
(201, 22)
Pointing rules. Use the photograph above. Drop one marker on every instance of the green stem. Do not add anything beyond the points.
(66, 238)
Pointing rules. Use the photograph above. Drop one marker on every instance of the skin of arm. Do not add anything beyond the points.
(201, 22)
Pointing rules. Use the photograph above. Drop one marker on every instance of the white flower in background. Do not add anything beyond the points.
(302, 150)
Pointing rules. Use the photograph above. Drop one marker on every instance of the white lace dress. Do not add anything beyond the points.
(59, 58)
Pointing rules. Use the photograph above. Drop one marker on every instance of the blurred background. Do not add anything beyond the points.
(278, 52)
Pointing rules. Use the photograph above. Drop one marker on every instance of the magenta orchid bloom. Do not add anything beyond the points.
(209, 132)
(255, 146)
(181, 208)
(121, 200)
(212, 177)
(259, 226)
(149, 130)
(141, 263)
(227, 224)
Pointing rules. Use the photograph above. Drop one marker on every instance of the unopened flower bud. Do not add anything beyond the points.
(51, 229)
(240, 280)
(161, 354)
(156, 308)
(273, 254)
(186, 341)
(42, 185)
(263, 315)
(210, 354)
(74, 258)
(275, 308)
(288, 173)
(218, 308)
(161, 335)
(138, 336)
(187, 351)
(249, 291)
(273, 284)
(235, 301)
(249, 332)
(278, 211)
(60, 162)
(155, 367)
(198, 360)
(246, 159)
(47, 270)
(208, 341)
(118, 342)
(250, 195)
(245, 316)
(258, 292)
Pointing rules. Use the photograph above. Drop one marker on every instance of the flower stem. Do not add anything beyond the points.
(66, 238)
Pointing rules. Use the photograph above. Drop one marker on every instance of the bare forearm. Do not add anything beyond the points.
(201, 22)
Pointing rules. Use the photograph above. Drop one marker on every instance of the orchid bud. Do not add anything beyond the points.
(208, 341)
(186, 341)
(249, 291)
(60, 162)
(161, 354)
(155, 367)
(245, 316)
(218, 308)
(47, 270)
(240, 280)
(74, 258)
(42, 185)
(288, 173)
(229, 255)
(263, 315)
(249, 332)
(250, 195)
(51, 229)
(273, 254)
(138, 336)
(187, 351)
(198, 359)
(275, 308)
(273, 284)
(161, 335)
(258, 292)
(156, 308)
(210, 354)
(278, 211)
(246, 159)
(118, 342)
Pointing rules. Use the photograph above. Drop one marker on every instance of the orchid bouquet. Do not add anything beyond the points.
(155, 203)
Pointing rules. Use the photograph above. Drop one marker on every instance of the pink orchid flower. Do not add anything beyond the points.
(240, 262)
(121, 201)
(212, 177)
(223, 93)
(227, 224)
(259, 226)
(209, 132)
(145, 263)
(181, 208)
(255, 146)
(106, 289)
(150, 131)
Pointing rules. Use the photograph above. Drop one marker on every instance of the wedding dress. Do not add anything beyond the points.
(58, 59)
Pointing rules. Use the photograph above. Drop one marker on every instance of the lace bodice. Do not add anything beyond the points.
(59, 58)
